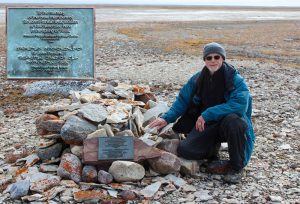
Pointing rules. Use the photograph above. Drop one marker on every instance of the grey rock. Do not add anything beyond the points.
(75, 130)
(98, 133)
(104, 177)
(50, 152)
(93, 112)
(19, 189)
(55, 87)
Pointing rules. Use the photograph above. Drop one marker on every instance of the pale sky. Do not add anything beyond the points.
(291, 3)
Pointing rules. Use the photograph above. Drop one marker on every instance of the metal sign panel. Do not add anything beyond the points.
(116, 148)
(50, 43)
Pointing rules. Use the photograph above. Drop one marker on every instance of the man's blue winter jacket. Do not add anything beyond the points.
(238, 101)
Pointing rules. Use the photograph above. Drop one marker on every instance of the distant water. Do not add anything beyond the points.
(146, 14)
(114, 14)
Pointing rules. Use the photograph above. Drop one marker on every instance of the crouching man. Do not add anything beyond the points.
(214, 106)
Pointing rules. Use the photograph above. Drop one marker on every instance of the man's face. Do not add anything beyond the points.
(213, 62)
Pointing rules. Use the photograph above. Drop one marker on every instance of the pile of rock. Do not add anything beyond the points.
(101, 110)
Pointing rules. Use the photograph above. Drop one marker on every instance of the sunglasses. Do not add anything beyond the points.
(216, 57)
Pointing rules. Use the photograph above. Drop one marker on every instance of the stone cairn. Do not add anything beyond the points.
(63, 167)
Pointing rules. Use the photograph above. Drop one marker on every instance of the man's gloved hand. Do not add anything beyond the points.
(200, 124)
(158, 123)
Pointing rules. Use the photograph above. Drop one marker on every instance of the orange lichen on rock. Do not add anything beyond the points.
(138, 89)
(87, 195)
(21, 171)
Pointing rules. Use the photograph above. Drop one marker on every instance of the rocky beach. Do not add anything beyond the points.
(162, 53)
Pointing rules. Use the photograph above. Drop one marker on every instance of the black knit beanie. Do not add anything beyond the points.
(214, 48)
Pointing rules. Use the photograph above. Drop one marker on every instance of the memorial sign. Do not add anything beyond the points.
(50, 43)
(116, 148)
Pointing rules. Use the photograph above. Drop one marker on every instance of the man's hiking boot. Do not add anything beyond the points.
(218, 167)
(233, 176)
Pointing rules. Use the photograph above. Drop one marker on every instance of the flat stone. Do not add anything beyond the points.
(118, 113)
(60, 105)
(41, 182)
(179, 182)
(98, 133)
(34, 197)
(123, 93)
(44, 143)
(29, 160)
(93, 112)
(48, 168)
(149, 191)
(53, 192)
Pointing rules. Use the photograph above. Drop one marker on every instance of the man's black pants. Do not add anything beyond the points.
(230, 129)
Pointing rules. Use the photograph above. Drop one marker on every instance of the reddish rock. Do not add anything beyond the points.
(12, 157)
(167, 163)
(48, 124)
(70, 167)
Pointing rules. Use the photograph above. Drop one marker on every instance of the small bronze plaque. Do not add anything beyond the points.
(116, 148)
(50, 43)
